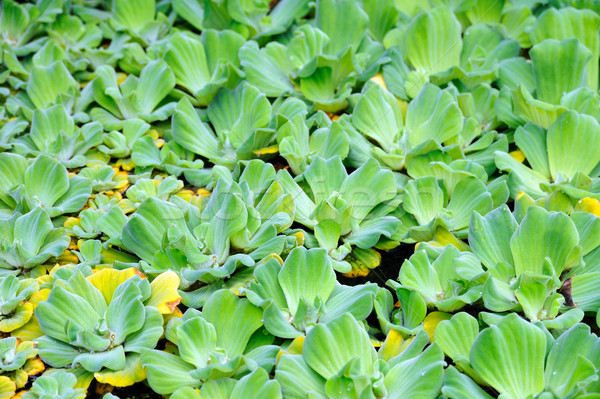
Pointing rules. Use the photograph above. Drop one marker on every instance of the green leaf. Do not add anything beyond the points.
(510, 357)
(48, 124)
(458, 386)
(191, 11)
(424, 199)
(433, 115)
(268, 69)
(306, 275)
(573, 145)
(585, 292)
(58, 311)
(167, 372)
(235, 320)
(531, 139)
(329, 347)
(325, 177)
(490, 236)
(256, 385)
(237, 113)
(559, 67)
(230, 218)
(196, 339)
(435, 43)
(570, 363)
(543, 235)
(134, 14)
(125, 313)
(193, 134)
(367, 187)
(567, 23)
(144, 231)
(113, 359)
(47, 83)
(416, 378)
(297, 379)
(147, 336)
(343, 21)
(156, 81)
(45, 181)
(378, 116)
(456, 336)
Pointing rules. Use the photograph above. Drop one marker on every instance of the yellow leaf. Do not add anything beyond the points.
(132, 372)
(295, 348)
(589, 205)
(518, 155)
(34, 366)
(443, 237)
(71, 222)
(185, 194)
(299, 237)
(29, 331)
(7, 388)
(121, 77)
(18, 319)
(67, 257)
(275, 256)
(41, 295)
(125, 164)
(403, 107)
(379, 80)
(267, 150)
(20, 394)
(20, 378)
(432, 320)
(362, 262)
(165, 296)
(107, 280)
(394, 344)
(203, 192)
(167, 317)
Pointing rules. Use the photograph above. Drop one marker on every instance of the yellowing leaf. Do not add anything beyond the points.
(443, 237)
(176, 313)
(589, 205)
(295, 347)
(432, 320)
(39, 296)
(185, 194)
(165, 296)
(518, 155)
(20, 378)
(379, 80)
(18, 319)
(34, 366)
(67, 257)
(107, 280)
(7, 388)
(132, 372)
(299, 237)
(29, 331)
(393, 345)
(267, 150)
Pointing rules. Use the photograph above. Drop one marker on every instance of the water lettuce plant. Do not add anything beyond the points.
(117, 314)
(290, 198)
(19, 361)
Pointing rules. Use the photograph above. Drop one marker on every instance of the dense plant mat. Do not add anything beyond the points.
(289, 199)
